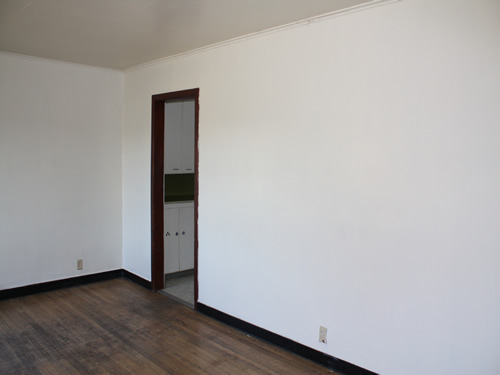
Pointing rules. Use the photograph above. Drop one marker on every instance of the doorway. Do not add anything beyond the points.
(157, 185)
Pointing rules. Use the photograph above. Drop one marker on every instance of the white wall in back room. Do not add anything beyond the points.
(60, 170)
(349, 178)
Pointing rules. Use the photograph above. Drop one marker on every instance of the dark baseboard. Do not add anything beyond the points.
(72, 281)
(326, 360)
(136, 279)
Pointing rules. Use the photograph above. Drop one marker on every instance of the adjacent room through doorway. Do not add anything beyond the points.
(175, 195)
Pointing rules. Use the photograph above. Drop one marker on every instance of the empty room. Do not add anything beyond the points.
(229, 187)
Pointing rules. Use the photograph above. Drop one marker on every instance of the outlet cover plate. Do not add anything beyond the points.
(322, 334)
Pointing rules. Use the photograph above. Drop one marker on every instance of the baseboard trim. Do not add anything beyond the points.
(70, 282)
(326, 360)
(136, 279)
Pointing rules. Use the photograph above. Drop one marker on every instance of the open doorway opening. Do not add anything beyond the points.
(174, 193)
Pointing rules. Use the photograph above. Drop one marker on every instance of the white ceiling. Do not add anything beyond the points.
(123, 33)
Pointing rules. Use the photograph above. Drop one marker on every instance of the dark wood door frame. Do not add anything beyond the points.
(157, 176)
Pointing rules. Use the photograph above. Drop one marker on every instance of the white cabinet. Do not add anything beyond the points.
(179, 159)
(173, 137)
(187, 152)
(178, 222)
(179, 136)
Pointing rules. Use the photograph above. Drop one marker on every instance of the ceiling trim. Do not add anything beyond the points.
(304, 22)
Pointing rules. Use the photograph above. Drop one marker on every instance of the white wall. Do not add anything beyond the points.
(60, 170)
(350, 178)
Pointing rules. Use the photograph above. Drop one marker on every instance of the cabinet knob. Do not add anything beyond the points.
(183, 233)
(176, 233)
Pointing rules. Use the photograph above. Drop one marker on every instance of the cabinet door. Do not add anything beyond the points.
(186, 242)
(188, 136)
(171, 240)
(173, 137)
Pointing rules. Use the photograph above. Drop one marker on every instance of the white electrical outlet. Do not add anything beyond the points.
(79, 264)
(322, 334)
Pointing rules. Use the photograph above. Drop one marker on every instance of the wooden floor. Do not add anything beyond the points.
(118, 327)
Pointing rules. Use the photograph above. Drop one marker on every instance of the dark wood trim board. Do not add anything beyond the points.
(136, 279)
(72, 281)
(326, 360)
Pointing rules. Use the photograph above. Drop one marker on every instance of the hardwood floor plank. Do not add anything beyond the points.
(118, 327)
